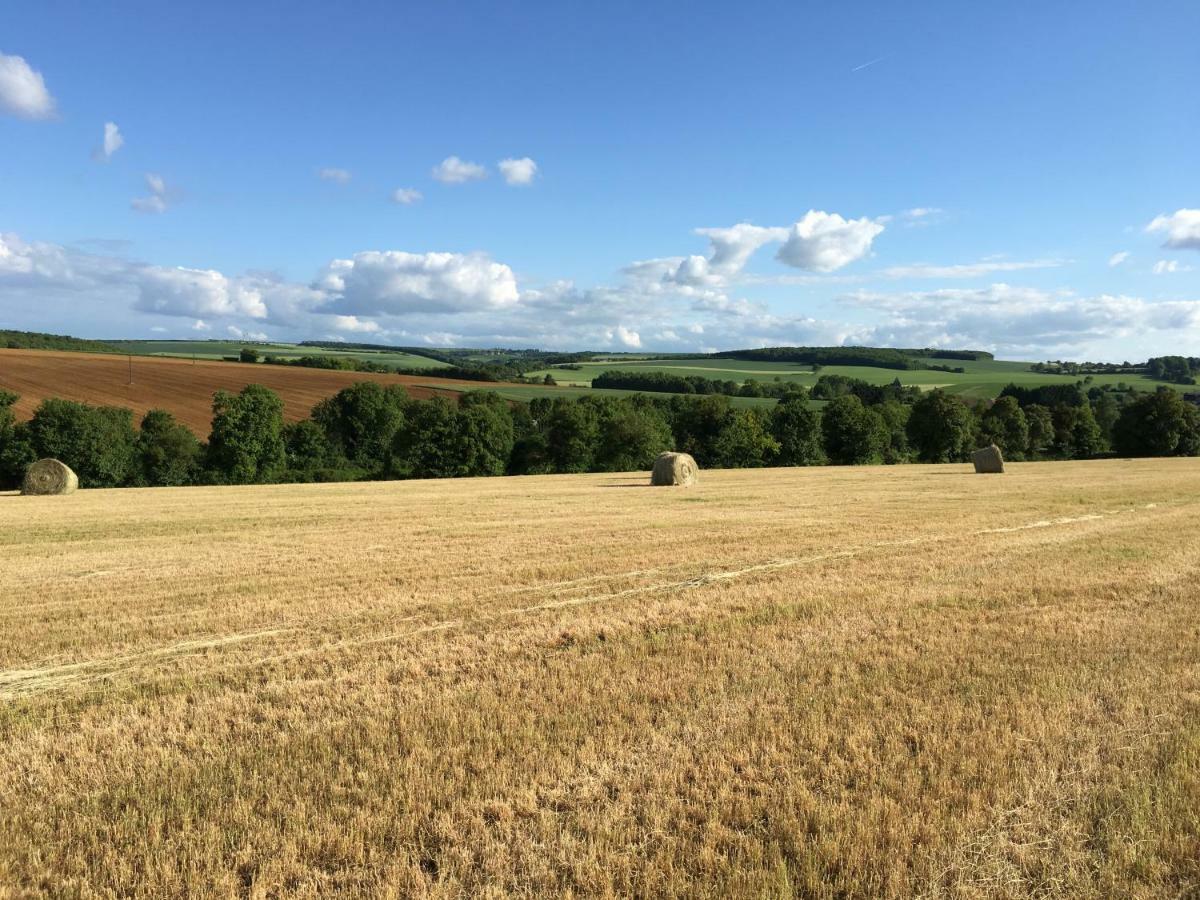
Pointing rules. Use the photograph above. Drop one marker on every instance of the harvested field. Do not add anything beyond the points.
(874, 682)
(180, 386)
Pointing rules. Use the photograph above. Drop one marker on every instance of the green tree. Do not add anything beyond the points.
(697, 423)
(431, 444)
(895, 416)
(1158, 424)
(1107, 411)
(167, 451)
(745, 440)
(631, 436)
(797, 429)
(362, 420)
(96, 441)
(1041, 429)
(16, 452)
(572, 435)
(309, 453)
(246, 443)
(1076, 434)
(940, 428)
(853, 433)
(248, 355)
(486, 429)
(1004, 424)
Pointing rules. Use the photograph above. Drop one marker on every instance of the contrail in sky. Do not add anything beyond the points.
(871, 63)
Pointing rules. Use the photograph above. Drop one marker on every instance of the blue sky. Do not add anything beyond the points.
(679, 176)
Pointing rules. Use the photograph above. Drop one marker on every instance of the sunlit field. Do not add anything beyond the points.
(908, 681)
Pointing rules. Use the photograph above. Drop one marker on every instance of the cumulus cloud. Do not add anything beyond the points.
(518, 172)
(968, 270)
(825, 242)
(23, 90)
(395, 282)
(406, 196)
(1117, 258)
(453, 170)
(355, 324)
(337, 176)
(196, 292)
(729, 251)
(110, 144)
(1182, 229)
(156, 201)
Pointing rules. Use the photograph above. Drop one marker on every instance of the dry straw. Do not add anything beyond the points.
(988, 460)
(49, 476)
(673, 469)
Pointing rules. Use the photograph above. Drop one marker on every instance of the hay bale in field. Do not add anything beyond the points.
(988, 460)
(674, 469)
(49, 476)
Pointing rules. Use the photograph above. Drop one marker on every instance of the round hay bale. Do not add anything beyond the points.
(988, 460)
(49, 476)
(674, 469)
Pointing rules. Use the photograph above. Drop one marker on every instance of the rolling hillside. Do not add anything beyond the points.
(183, 387)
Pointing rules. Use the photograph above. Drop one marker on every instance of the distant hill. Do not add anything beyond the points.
(37, 340)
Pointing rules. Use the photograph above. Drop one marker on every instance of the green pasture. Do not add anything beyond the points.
(983, 379)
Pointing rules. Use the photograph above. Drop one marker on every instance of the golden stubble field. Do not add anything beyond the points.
(909, 681)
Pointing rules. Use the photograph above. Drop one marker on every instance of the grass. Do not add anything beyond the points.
(827, 682)
(983, 379)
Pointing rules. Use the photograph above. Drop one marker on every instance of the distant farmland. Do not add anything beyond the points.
(183, 387)
(982, 379)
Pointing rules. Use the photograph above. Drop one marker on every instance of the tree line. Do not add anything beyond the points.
(372, 431)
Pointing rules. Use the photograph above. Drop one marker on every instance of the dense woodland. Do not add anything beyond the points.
(370, 431)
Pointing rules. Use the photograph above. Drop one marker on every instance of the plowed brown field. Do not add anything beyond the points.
(178, 385)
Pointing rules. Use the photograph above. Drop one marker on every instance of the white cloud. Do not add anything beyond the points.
(338, 176)
(195, 292)
(825, 242)
(968, 270)
(406, 196)
(395, 283)
(453, 170)
(157, 201)
(1169, 267)
(626, 337)
(1182, 229)
(518, 171)
(23, 90)
(354, 323)
(111, 143)
(201, 325)
(1117, 258)
(1019, 320)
